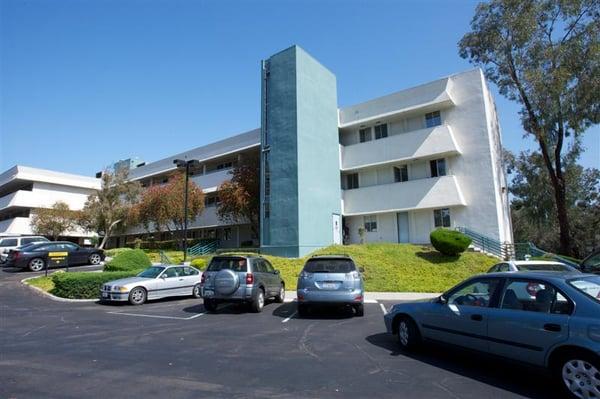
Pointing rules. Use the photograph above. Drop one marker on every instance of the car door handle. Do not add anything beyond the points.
(552, 327)
(476, 317)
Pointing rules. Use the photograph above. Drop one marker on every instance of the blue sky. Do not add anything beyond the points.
(86, 83)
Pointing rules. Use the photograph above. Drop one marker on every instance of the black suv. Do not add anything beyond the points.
(246, 279)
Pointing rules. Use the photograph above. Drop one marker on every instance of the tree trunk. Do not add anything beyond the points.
(563, 217)
(107, 235)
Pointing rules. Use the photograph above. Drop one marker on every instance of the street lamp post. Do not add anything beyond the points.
(185, 165)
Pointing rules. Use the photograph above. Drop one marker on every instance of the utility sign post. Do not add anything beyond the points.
(57, 259)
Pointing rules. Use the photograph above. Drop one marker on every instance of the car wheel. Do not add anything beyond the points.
(579, 373)
(303, 310)
(137, 296)
(359, 310)
(281, 296)
(95, 259)
(210, 305)
(259, 301)
(196, 292)
(408, 334)
(36, 264)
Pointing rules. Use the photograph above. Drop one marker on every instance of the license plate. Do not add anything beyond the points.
(208, 293)
(329, 286)
(105, 295)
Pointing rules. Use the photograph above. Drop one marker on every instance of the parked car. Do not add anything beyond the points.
(330, 280)
(591, 264)
(34, 256)
(558, 329)
(245, 279)
(531, 265)
(8, 243)
(154, 283)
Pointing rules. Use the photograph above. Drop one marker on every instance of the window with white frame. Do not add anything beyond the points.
(351, 181)
(441, 217)
(433, 119)
(365, 134)
(438, 167)
(400, 173)
(381, 131)
(370, 223)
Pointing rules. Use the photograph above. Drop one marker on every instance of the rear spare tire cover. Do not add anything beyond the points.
(226, 282)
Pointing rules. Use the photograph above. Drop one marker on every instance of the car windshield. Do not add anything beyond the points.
(235, 264)
(588, 285)
(329, 266)
(151, 272)
(553, 267)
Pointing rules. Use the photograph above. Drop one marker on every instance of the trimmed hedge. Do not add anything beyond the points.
(133, 259)
(449, 242)
(199, 263)
(84, 285)
(115, 251)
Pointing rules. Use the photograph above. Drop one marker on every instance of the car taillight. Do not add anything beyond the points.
(203, 278)
(249, 278)
(16, 254)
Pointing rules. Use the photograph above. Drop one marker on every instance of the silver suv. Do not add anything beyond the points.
(330, 280)
(245, 279)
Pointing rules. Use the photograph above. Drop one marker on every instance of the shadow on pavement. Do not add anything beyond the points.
(333, 312)
(511, 376)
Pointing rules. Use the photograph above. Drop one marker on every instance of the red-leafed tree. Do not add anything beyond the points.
(161, 207)
(240, 197)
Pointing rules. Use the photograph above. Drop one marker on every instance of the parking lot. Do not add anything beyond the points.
(173, 348)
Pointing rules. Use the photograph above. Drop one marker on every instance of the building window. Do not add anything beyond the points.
(433, 119)
(351, 181)
(267, 175)
(438, 167)
(370, 223)
(210, 200)
(365, 134)
(441, 217)
(227, 234)
(225, 165)
(381, 131)
(400, 173)
(266, 210)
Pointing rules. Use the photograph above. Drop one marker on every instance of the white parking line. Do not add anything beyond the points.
(289, 318)
(158, 316)
(383, 309)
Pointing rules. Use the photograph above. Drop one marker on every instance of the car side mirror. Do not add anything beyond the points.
(361, 269)
(163, 276)
(442, 300)
(276, 271)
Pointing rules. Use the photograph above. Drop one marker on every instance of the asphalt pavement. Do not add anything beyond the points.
(173, 349)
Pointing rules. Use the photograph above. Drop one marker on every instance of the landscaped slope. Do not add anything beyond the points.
(398, 267)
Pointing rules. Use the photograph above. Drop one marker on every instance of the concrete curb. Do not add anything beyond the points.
(385, 296)
(53, 297)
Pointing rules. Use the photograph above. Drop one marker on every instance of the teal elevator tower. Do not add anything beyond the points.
(300, 167)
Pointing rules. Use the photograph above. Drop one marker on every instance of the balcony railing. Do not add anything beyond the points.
(423, 143)
(437, 192)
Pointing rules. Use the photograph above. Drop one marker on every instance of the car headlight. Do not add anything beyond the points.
(120, 289)
(594, 332)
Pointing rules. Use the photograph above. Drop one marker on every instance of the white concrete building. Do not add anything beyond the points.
(24, 189)
(423, 158)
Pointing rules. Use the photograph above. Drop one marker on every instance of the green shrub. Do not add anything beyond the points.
(449, 242)
(84, 285)
(115, 251)
(133, 259)
(199, 263)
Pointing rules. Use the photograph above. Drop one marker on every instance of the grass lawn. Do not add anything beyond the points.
(43, 282)
(397, 267)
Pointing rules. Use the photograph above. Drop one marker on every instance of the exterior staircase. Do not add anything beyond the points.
(203, 247)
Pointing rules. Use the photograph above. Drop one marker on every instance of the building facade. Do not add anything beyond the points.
(24, 189)
(391, 169)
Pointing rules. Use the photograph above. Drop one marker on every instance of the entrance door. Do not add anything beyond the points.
(403, 234)
(337, 229)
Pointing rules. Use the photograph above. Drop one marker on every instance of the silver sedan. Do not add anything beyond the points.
(154, 283)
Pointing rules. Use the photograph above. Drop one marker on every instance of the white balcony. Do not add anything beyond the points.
(210, 181)
(18, 225)
(424, 98)
(424, 143)
(427, 193)
(22, 198)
